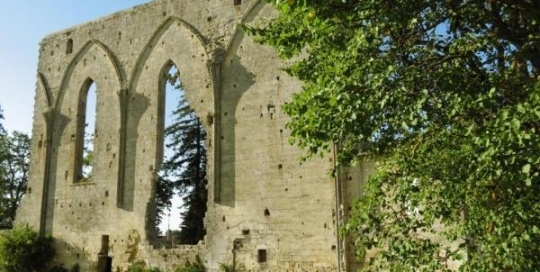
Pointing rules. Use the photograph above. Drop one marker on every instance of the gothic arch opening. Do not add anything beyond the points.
(181, 189)
(174, 40)
(86, 131)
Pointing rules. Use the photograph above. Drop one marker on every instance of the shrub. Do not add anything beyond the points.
(141, 267)
(75, 268)
(192, 267)
(58, 268)
(137, 267)
(61, 268)
(23, 249)
(189, 267)
(226, 267)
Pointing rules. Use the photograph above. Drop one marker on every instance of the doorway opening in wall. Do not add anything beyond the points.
(87, 126)
(181, 192)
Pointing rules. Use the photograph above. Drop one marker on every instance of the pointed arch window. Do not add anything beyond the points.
(86, 131)
(183, 154)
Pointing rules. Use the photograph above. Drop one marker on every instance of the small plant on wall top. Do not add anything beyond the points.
(226, 267)
(189, 267)
(192, 267)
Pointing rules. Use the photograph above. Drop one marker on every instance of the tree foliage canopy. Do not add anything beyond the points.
(14, 161)
(446, 96)
(2, 130)
(22, 249)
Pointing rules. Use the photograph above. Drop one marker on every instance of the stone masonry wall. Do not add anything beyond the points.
(262, 199)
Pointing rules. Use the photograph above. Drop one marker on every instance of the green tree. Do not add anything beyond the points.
(88, 155)
(4, 223)
(165, 190)
(22, 249)
(446, 96)
(14, 160)
(2, 130)
(185, 169)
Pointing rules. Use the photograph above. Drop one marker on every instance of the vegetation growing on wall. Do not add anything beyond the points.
(189, 267)
(192, 267)
(141, 267)
(446, 95)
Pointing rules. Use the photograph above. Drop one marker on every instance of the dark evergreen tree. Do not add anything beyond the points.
(164, 193)
(188, 167)
(184, 170)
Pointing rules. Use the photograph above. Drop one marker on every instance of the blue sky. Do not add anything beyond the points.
(23, 23)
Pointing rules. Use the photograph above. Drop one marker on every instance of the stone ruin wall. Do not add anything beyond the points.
(261, 197)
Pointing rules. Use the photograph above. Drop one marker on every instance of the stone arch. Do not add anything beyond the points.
(236, 79)
(44, 95)
(43, 122)
(96, 62)
(82, 120)
(40, 150)
(107, 55)
(161, 104)
(158, 35)
(93, 63)
(247, 17)
(173, 42)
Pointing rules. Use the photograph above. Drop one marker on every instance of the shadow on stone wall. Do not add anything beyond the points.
(240, 81)
(138, 104)
(61, 122)
(73, 257)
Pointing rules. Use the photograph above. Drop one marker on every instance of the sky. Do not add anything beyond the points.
(23, 23)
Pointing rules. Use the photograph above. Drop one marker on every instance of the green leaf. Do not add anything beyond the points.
(526, 168)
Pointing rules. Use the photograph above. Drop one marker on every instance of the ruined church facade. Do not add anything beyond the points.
(267, 210)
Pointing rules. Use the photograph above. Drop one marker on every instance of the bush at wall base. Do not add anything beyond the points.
(23, 249)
